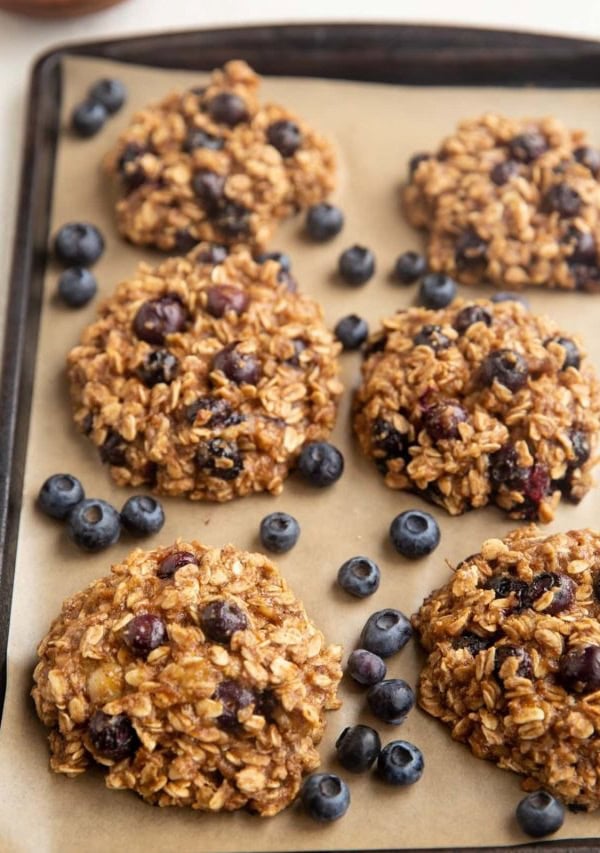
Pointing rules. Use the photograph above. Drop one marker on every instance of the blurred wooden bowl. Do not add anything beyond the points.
(55, 8)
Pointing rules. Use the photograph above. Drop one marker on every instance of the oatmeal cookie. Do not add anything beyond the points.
(512, 202)
(193, 675)
(480, 402)
(205, 376)
(513, 666)
(212, 163)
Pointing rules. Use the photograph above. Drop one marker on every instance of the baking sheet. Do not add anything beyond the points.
(460, 801)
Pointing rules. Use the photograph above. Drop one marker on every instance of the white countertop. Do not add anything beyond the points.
(22, 39)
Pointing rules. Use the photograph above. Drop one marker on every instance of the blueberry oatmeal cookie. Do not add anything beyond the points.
(479, 403)
(512, 202)
(193, 675)
(513, 666)
(212, 163)
(205, 376)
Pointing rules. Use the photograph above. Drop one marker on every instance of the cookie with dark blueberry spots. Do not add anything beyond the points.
(216, 164)
(173, 664)
(513, 666)
(512, 203)
(206, 377)
(481, 402)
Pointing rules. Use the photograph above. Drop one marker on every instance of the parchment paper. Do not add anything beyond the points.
(460, 801)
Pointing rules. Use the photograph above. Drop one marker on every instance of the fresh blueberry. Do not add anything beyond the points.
(110, 93)
(365, 667)
(510, 296)
(142, 515)
(76, 286)
(437, 290)
(88, 118)
(386, 632)
(352, 331)
(94, 524)
(112, 736)
(144, 633)
(391, 700)
(78, 244)
(359, 576)
(325, 796)
(279, 532)
(414, 533)
(59, 495)
(540, 814)
(221, 619)
(324, 221)
(357, 748)
(284, 261)
(400, 763)
(320, 463)
(409, 267)
(356, 265)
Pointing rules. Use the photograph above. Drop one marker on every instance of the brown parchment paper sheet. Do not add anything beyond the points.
(460, 801)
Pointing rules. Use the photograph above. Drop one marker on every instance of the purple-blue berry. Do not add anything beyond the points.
(78, 244)
(400, 763)
(386, 632)
(540, 814)
(77, 286)
(437, 291)
(357, 748)
(351, 331)
(88, 118)
(110, 93)
(366, 667)
(59, 494)
(325, 796)
(359, 576)
(414, 533)
(320, 463)
(356, 265)
(94, 525)
(279, 532)
(410, 267)
(391, 700)
(142, 515)
(324, 221)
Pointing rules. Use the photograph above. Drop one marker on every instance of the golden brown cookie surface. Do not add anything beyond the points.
(510, 202)
(215, 164)
(513, 667)
(193, 675)
(205, 376)
(477, 403)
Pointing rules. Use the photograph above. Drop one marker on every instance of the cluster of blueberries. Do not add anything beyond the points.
(326, 796)
(94, 524)
(104, 98)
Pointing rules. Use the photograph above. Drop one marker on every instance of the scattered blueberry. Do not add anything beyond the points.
(94, 524)
(356, 265)
(540, 814)
(400, 763)
(78, 244)
(142, 515)
(110, 93)
(144, 633)
(279, 532)
(284, 261)
(76, 286)
(320, 463)
(324, 221)
(88, 118)
(409, 267)
(391, 700)
(359, 576)
(357, 748)
(59, 495)
(414, 533)
(385, 632)
(221, 619)
(325, 796)
(112, 736)
(437, 290)
(507, 367)
(366, 667)
(510, 296)
(352, 331)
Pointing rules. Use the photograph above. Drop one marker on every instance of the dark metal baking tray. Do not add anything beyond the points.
(383, 53)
